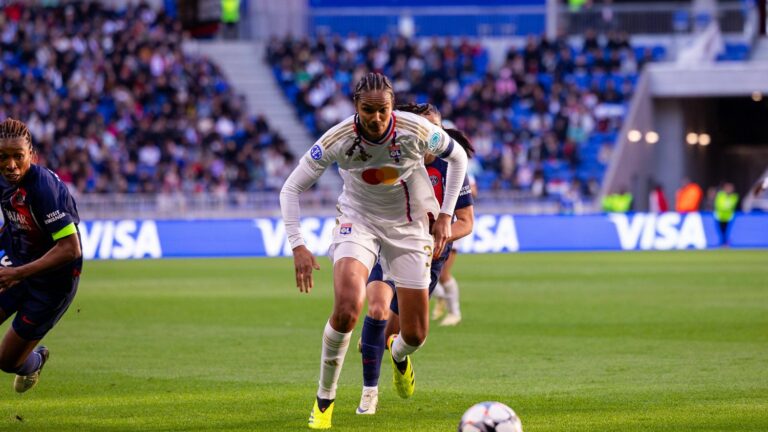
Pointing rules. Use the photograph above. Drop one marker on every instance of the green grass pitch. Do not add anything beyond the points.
(651, 341)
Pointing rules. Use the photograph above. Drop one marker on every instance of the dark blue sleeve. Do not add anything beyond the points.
(465, 195)
(52, 203)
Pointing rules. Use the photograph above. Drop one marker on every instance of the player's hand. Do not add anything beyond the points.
(441, 232)
(304, 262)
(9, 277)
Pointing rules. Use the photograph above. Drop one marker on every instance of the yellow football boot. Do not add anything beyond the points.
(321, 419)
(405, 382)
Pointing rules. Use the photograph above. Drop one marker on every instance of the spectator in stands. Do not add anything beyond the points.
(548, 106)
(725, 209)
(618, 202)
(657, 200)
(688, 197)
(118, 85)
(230, 17)
(761, 187)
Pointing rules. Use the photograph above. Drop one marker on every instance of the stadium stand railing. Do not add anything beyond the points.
(658, 18)
(266, 204)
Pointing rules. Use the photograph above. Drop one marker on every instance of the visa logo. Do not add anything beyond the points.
(663, 231)
(491, 234)
(317, 234)
(120, 239)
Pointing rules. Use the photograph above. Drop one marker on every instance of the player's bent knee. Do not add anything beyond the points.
(344, 318)
(378, 311)
(415, 338)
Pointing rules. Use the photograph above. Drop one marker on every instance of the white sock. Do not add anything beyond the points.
(371, 388)
(439, 291)
(335, 346)
(452, 295)
(400, 349)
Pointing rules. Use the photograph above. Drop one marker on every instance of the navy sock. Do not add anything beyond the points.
(373, 350)
(31, 364)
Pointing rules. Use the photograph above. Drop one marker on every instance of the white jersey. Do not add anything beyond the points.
(391, 186)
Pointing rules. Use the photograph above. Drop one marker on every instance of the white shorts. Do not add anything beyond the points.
(405, 250)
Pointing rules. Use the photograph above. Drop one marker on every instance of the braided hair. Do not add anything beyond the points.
(14, 129)
(372, 81)
(423, 109)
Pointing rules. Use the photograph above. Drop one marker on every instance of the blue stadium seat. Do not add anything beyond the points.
(485, 180)
(292, 92)
(545, 80)
(309, 122)
(734, 51)
(468, 78)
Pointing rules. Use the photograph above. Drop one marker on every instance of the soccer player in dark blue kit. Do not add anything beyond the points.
(43, 243)
(382, 318)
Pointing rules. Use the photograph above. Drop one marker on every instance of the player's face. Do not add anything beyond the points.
(374, 109)
(15, 159)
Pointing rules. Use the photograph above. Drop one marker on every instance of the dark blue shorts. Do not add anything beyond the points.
(377, 274)
(39, 304)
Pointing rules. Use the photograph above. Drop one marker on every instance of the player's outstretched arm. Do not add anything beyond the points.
(65, 250)
(465, 221)
(457, 170)
(304, 262)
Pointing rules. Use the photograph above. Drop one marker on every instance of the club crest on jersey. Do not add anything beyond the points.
(434, 141)
(433, 179)
(316, 152)
(394, 152)
(345, 229)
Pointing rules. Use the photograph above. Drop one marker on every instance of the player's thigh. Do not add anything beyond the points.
(354, 252)
(43, 306)
(10, 300)
(407, 250)
(354, 238)
(349, 280)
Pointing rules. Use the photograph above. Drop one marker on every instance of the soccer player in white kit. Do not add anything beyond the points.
(384, 211)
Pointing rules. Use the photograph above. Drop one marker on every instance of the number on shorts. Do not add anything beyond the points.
(428, 250)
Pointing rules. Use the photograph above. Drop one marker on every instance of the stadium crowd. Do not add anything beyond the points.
(544, 120)
(115, 105)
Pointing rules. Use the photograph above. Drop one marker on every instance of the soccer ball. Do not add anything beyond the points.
(490, 417)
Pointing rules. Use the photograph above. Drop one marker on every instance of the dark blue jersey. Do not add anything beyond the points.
(437, 171)
(35, 210)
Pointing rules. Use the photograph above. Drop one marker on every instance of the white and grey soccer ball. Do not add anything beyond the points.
(490, 417)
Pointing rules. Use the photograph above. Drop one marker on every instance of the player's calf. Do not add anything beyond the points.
(25, 379)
